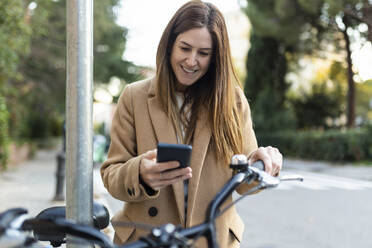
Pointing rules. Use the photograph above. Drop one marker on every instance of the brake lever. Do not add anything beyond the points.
(268, 181)
(292, 178)
(265, 179)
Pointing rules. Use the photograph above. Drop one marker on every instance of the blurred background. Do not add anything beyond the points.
(306, 69)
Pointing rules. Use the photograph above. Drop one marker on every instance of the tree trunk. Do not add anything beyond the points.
(350, 81)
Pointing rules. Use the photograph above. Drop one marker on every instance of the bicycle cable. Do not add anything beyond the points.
(254, 189)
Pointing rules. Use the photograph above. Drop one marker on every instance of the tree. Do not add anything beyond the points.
(265, 85)
(109, 45)
(350, 13)
(305, 27)
(364, 101)
(14, 38)
(14, 43)
(322, 105)
(276, 31)
(42, 88)
(284, 20)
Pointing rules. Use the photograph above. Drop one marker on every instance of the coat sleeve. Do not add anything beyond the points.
(249, 137)
(120, 172)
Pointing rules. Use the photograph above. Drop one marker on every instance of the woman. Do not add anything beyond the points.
(195, 98)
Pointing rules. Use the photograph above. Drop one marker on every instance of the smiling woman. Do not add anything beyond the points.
(191, 55)
(195, 99)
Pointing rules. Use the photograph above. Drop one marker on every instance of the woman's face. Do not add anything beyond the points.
(191, 55)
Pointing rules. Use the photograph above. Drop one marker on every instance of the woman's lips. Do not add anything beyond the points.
(188, 70)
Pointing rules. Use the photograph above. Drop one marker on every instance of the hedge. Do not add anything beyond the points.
(4, 139)
(332, 145)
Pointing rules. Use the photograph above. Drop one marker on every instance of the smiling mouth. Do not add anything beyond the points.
(187, 70)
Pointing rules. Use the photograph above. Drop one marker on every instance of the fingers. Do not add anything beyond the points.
(276, 159)
(271, 157)
(165, 178)
(149, 162)
(158, 175)
(151, 154)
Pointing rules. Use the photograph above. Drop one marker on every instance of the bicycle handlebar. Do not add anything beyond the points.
(167, 234)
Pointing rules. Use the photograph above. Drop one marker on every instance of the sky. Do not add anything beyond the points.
(146, 20)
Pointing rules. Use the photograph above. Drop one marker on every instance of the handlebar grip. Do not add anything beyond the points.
(8, 216)
(259, 165)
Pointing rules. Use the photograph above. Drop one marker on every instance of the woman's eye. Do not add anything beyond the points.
(203, 53)
(185, 48)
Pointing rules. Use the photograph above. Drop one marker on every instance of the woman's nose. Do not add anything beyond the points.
(191, 60)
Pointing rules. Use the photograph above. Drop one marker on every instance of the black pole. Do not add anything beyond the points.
(60, 174)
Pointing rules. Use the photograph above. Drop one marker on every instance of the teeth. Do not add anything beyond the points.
(189, 71)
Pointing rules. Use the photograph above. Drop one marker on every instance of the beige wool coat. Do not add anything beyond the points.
(138, 125)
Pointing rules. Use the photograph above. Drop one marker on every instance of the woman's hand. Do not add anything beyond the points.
(158, 175)
(271, 157)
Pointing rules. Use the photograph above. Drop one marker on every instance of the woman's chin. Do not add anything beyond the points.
(183, 84)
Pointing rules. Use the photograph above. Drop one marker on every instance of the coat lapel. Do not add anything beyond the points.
(165, 133)
(200, 145)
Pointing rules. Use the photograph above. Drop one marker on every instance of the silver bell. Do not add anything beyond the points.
(239, 159)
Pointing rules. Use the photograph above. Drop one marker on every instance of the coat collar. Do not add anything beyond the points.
(165, 132)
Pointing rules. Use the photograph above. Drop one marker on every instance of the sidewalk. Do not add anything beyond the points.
(32, 184)
(335, 169)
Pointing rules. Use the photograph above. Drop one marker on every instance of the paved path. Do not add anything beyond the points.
(336, 169)
(30, 184)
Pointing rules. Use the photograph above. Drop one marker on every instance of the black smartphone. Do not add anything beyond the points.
(174, 152)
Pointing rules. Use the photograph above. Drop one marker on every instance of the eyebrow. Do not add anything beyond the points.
(187, 44)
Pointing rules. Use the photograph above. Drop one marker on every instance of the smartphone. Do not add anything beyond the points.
(174, 152)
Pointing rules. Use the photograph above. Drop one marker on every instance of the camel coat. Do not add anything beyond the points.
(138, 125)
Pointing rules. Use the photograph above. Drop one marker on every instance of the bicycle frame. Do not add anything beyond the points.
(207, 229)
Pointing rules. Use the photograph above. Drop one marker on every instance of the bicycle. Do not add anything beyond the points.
(52, 227)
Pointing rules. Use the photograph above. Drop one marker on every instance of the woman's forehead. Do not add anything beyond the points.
(196, 37)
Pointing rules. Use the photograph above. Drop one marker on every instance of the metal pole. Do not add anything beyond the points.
(79, 105)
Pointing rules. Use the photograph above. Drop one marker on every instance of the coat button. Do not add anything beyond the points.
(153, 211)
(129, 192)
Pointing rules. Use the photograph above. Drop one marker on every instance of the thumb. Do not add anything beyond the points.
(151, 154)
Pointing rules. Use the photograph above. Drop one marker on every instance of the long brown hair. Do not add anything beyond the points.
(215, 92)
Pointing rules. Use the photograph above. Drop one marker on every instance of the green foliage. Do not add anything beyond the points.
(323, 104)
(278, 27)
(4, 139)
(268, 116)
(266, 67)
(309, 27)
(14, 38)
(37, 100)
(314, 108)
(109, 46)
(14, 44)
(284, 20)
(363, 102)
(265, 85)
(336, 7)
(332, 145)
